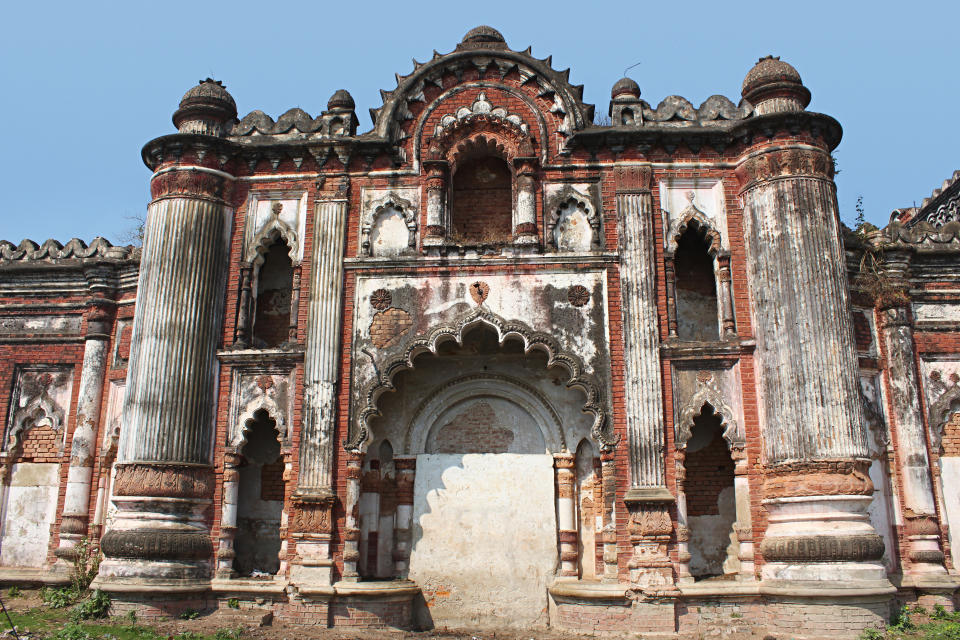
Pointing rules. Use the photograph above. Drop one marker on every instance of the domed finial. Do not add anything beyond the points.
(625, 86)
(205, 109)
(483, 37)
(773, 86)
(341, 99)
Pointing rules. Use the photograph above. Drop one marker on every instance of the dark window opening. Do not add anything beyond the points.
(259, 500)
(696, 287)
(271, 325)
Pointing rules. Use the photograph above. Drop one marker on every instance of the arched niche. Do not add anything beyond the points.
(467, 396)
(573, 225)
(389, 227)
(696, 289)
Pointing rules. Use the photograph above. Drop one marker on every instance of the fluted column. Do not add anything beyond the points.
(817, 490)
(76, 502)
(644, 394)
(164, 481)
(322, 358)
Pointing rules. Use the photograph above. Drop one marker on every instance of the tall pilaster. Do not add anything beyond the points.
(322, 358)
(925, 553)
(76, 502)
(164, 479)
(817, 490)
(644, 393)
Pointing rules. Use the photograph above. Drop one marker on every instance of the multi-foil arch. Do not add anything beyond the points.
(706, 394)
(595, 404)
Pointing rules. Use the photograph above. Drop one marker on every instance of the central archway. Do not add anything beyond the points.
(479, 414)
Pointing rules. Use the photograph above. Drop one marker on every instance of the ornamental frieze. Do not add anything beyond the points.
(163, 480)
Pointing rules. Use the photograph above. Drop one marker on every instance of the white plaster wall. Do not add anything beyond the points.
(31, 508)
(950, 476)
(484, 538)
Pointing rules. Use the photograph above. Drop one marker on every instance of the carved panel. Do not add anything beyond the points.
(312, 518)
(272, 215)
(700, 201)
(572, 220)
(155, 480)
(266, 387)
(695, 387)
(41, 397)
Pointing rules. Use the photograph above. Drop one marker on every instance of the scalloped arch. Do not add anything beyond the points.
(693, 409)
(569, 194)
(390, 200)
(244, 422)
(600, 430)
(265, 238)
(568, 98)
(692, 215)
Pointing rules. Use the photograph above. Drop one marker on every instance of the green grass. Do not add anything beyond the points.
(916, 623)
(54, 623)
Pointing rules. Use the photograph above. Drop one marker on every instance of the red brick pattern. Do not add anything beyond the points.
(271, 481)
(481, 201)
(709, 471)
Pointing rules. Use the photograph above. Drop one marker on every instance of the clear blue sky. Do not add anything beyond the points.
(86, 84)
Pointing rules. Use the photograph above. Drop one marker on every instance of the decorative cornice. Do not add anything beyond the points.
(76, 249)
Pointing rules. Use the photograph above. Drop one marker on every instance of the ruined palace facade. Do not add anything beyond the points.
(492, 362)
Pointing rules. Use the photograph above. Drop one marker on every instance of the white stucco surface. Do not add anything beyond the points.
(31, 508)
(484, 537)
(951, 497)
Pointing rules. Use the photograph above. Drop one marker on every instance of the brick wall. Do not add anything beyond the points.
(482, 201)
(709, 471)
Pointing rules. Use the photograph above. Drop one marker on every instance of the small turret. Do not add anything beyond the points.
(207, 108)
(626, 109)
(773, 86)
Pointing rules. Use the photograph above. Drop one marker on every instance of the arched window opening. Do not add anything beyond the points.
(626, 116)
(378, 509)
(260, 500)
(590, 511)
(271, 325)
(482, 202)
(711, 499)
(696, 287)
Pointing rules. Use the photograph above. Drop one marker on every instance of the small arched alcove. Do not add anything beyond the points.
(696, 286)
(482, 198)
(711, 501)
(260, 499)
(274, 287)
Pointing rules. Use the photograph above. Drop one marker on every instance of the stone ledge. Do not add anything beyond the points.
(151, 588)
(936, 581)
(247, 586)
(588, 590)
(24, 577)
(649, 494)
(379, 590)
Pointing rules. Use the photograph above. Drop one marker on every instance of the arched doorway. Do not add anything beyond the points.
(483, 419)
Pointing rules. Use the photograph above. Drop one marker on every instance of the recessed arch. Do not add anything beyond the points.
(571, 197)
(453, 392)
(594, 401)
(940, 411)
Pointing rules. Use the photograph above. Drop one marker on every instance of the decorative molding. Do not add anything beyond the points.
(827, 548)
(784, 163)
(693, 214)
(100, 248)
(946, 404)
(601, 429)
(480, 106)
